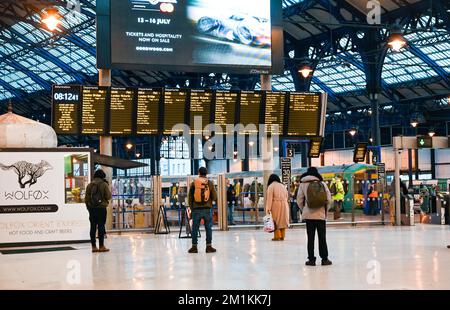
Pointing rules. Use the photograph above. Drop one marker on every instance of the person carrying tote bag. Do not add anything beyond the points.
(278, 206)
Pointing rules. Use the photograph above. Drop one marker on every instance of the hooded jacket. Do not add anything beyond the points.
(307, 213)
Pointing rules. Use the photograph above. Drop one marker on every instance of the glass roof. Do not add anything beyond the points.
(287, 3)
(27, 44)
(403, 67)
(341, 74)
(434, 44)
(32, 58)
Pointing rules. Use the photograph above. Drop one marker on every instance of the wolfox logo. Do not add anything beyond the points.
(28, 173)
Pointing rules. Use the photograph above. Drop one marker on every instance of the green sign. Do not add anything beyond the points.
(424, 142)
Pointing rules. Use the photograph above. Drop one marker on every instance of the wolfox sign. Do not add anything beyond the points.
(42, 195)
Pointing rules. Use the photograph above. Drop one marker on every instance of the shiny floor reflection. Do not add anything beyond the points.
(364, 258)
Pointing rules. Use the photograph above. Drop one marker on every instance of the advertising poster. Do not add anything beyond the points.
(42, 196)
(192, 32)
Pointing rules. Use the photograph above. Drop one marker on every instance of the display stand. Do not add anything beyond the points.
(185, 219)
(162, 221)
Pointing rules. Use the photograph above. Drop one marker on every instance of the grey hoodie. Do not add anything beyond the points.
(307, 213)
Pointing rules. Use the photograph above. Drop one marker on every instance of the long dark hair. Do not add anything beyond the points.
(273, 178)
(312, 171)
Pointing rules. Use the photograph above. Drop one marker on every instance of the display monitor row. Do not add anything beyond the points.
(99, 110)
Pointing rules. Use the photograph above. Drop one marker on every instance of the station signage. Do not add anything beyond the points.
(286, 170)
(315, 146)
(424, 142)
(359, 154)
(127, 111)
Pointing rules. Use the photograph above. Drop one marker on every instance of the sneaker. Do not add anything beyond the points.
(193, 249)
(210, 249)
(310, 263)
(103, 249)
(326, 262)
(94, 249)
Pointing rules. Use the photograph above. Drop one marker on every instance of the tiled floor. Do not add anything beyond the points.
(364, 258)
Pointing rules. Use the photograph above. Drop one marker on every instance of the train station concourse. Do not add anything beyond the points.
(216, 153)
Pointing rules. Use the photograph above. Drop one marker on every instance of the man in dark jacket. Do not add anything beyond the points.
(97, 200)
(201, 208)
(230, 201)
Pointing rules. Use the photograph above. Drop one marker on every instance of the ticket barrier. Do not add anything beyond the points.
(408, 218)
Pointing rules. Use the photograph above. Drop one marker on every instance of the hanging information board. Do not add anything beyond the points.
(66, 101)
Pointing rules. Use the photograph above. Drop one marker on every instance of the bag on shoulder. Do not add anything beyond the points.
(333, 189)
(316, 195)
(201, 192)
(96, 195)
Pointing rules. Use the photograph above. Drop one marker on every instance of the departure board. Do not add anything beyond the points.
(174, 108)
(274, 111)
(250, 105)
(66, 101)
(121, 111)
(304, 114)
(200, 106)
(225, 110)
(360, 151)
(315, 145)
(93, 110)
(148, 103)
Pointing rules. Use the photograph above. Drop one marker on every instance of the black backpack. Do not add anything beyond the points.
(96, 195)
(333, 189)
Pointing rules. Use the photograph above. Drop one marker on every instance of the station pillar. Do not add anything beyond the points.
(267, 143)
(104, 79)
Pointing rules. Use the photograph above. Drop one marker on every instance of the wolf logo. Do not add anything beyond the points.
(28, 173)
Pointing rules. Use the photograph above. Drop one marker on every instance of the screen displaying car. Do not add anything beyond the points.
(244, 29)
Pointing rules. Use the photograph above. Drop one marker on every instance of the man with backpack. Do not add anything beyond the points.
(338, 193)
(201, 195)
(313, 199)
(97, 200)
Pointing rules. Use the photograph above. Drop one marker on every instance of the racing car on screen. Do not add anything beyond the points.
(245, 29)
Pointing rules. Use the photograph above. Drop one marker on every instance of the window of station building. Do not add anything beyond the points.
(339, 140)
(396, 131)
(141, 171)
(386, 135)
(328, 142)
(349, 140)
(76, 177)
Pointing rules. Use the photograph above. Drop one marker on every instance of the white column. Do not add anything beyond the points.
(397, 154)
(267, 143)
(104, 79)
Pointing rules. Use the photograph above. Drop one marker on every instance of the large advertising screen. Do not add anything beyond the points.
(42, 196)
(190, 35)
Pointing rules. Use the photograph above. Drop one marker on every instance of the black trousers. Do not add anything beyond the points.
(97, 217)
(311, 227)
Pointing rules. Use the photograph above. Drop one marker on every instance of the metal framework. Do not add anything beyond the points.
(349, 57)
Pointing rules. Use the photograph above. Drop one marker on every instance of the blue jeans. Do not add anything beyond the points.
(230, 212)
(197, 216)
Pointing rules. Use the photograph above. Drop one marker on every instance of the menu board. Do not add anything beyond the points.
(274, 112)
(121, 111)
(66, 109)
(304, 114)
(250, 105)
(148, 103)
(225, 109)
(93, 110)
(200, 106)
(174, 108)
(315, 145)
(360, 151)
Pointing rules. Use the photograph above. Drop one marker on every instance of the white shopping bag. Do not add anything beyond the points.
(269, 225)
